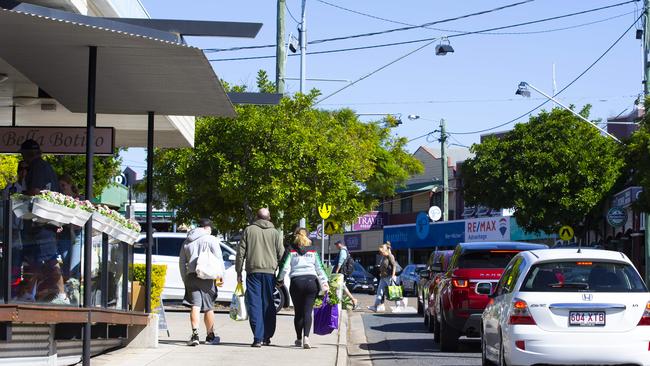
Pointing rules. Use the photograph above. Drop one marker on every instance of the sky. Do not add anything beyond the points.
(472, 88)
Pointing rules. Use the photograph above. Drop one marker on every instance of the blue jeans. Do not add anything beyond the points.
(259, 301)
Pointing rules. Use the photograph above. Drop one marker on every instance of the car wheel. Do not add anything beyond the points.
(435, 329)
(448, 337)
(278, 299)
(484, 359)
(502, 353)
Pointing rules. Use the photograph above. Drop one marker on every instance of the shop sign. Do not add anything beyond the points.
(616, 216)
(373, 220)
(626, 197)
(57, 140)
(448, 233)
(487, 229)
(353, 241)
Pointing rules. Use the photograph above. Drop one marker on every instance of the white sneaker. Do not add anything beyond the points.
(305, 343)
(381, 308)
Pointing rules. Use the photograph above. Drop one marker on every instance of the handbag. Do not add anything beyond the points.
(326, 317)
(395, 292)
(238, 304)
(208, 266)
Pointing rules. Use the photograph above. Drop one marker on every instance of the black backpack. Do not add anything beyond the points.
(348, 266)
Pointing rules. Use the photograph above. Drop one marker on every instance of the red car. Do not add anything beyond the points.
(456, 307)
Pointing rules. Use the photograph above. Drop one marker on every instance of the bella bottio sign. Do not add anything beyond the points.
(57, 140)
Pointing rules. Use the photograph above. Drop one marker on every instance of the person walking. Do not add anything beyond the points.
(200, 294)
(387, 268)
(261, 249)
(344, 254)
(308, 278)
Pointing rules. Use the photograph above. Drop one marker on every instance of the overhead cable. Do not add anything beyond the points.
(210, 50)
(420, 40)
(561, 90)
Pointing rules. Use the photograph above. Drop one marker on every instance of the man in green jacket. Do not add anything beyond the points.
(261, 249)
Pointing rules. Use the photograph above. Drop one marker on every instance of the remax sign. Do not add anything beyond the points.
(487, 229)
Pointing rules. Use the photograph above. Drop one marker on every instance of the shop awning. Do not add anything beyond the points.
(139, 69)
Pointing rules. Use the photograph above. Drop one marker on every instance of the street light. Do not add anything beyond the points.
(444, 47)
(522, 90)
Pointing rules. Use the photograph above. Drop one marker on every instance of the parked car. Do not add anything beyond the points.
(567, 306)
(361, 281)
(429, 278)
(457, 307)
(166, 249)
(410, 277)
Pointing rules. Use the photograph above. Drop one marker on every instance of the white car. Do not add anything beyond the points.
(567, 306)
(166, 248)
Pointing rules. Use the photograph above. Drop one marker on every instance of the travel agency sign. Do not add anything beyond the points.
(487, 229)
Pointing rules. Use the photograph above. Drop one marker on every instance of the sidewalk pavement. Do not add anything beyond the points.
(234, 350)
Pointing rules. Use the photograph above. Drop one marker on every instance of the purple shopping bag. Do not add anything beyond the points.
(326, 318)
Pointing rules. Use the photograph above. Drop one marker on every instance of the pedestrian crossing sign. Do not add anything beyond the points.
(331, 227)
(566, 233)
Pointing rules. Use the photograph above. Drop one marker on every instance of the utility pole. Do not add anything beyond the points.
(303, 48)
(445, 172)
(646, 88)
(280, 49)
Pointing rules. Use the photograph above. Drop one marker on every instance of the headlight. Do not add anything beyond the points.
(374, 280)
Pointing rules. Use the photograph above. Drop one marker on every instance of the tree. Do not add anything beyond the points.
(553, 170)
(8, 166)
(105, 168)
(638, 159)
(291, 158)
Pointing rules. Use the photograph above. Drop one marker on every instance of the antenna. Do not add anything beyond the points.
(554, 82)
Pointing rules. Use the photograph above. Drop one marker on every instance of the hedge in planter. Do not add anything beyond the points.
(158, 272)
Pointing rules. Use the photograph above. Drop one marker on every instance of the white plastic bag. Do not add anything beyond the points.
(208, 266)
(238, 304)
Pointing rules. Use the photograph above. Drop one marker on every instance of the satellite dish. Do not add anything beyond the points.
(435, 213)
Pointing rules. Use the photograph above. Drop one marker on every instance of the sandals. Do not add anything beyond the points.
(355, 304)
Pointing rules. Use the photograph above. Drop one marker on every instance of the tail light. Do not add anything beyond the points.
(519, 314)
(458, 283)
(645, 319)
(521, 345)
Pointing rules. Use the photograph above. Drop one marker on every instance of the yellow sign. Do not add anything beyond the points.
(566, 232)
(331, 227)
(325, 210)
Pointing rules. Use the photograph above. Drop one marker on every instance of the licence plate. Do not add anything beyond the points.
(587, 318)
(364, 286)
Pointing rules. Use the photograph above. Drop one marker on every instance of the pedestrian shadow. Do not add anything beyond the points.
(183, 343)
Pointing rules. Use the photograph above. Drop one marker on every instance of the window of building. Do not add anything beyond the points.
(406, 204)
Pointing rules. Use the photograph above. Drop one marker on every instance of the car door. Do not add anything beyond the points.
(166, 251)
(230, 276)
(498, 307)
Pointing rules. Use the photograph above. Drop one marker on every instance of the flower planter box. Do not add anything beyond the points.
(20, 207)
(102, 224)
(124, 234)
(52, 213)
(81, 217)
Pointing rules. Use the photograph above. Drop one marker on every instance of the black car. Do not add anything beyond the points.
(361, 280)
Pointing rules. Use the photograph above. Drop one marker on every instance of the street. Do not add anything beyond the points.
(399, 338)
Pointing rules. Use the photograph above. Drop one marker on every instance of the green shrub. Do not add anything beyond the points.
(158, 272)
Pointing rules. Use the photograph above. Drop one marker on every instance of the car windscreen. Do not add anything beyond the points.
(592, 276)
(359, 270)
(486, 258)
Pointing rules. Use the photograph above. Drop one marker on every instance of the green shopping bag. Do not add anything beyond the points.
(394, 292)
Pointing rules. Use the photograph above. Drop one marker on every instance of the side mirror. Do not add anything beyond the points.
(232, 258)
(437, 267)
(484, 288)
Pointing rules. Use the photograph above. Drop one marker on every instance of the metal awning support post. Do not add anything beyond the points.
(147, 292)
(88, 230)
(8, 236)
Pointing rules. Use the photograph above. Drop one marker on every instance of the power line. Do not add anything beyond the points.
(451, 101)
(291, 15)
(210, 50)
(463, 31)
(411, 41)
(458, 35)
(559, 92)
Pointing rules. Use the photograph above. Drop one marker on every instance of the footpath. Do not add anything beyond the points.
(234, 350)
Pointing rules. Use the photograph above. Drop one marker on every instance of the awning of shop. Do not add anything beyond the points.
(419, 187)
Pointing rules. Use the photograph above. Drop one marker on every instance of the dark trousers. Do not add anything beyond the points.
(259, 300)
(303, 293)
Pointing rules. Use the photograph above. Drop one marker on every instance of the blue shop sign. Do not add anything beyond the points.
(438, 234)
(517, 233)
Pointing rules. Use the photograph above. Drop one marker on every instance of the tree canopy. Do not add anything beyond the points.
(291, 158)
(553, 170)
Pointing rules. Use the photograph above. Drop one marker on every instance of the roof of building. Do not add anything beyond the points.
(418, 187)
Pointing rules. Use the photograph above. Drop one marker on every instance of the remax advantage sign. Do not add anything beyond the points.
(487, 229)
